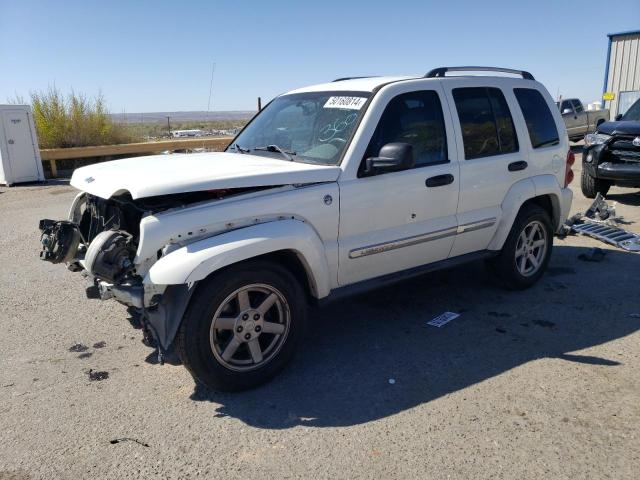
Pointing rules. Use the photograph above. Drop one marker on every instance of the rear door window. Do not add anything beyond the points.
(487, 125)
(540, 123)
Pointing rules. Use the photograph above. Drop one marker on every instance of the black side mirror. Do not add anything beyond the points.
(618, 117)
(392, 158)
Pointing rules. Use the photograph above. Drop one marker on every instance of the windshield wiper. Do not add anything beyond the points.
(276, 148)
(240, 149)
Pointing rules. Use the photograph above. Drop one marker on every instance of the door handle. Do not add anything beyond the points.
(439, 180)
(515, 166)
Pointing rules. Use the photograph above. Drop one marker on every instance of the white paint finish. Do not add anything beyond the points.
(19, 152)
(380, 209)
(166, 174)
(355, 85)
(395, 206)
(197, 260)
(485, 181)
(211, 218)
(390, 209)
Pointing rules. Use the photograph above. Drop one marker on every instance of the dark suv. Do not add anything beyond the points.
(612, 154)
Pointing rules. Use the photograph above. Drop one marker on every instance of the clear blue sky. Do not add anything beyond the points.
(156, 56)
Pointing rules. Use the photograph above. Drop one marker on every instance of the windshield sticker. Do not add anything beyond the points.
(351, 103)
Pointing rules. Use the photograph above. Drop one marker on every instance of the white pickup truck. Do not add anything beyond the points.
(330, 189)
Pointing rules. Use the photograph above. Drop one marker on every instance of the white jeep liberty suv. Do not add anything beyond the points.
(328, 190)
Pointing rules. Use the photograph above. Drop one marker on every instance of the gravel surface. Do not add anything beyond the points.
(537, 384)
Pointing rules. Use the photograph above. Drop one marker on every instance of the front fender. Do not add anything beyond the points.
(199, 259)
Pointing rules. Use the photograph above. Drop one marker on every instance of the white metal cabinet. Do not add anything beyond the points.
(19, 153)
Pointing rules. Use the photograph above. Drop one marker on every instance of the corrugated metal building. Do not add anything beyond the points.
(622, 73)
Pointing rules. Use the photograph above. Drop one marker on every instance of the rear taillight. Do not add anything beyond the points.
(568, 173)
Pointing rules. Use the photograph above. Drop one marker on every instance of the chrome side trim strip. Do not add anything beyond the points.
(425, 237)
(477, 225)
(403, 242)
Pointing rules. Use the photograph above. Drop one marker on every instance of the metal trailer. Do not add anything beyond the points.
(19, 152)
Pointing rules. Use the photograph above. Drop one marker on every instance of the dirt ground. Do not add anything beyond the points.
(543, 383)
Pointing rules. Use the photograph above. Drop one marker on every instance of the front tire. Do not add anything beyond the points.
(526, 252)
(242, 326)
(590, 186)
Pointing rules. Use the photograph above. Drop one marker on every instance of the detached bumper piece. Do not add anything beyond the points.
(599, 222)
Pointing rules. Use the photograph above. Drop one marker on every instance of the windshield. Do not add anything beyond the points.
(310, 127)
(633, 113)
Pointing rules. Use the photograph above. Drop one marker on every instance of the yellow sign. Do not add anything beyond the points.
(608, 96)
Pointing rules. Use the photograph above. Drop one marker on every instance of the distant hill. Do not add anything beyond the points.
(179, 117)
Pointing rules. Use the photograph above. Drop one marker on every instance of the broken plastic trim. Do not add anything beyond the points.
(599, 222)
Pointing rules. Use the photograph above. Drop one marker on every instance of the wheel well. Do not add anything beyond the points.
(549, 204)
(289, 260)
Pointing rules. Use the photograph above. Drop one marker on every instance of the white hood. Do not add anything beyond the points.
(177, 173)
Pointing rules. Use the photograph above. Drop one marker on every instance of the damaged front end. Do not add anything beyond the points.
(100, 239)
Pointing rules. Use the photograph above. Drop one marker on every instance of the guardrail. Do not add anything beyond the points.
(52, 154)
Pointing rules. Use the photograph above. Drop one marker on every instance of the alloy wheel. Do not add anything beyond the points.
(249, 327)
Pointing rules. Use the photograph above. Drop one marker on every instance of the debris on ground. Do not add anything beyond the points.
(97, 376)
(78, 347)
(392, 381)
(500, 330)
(593, 255)
(600, 222)
(634, 315)
(100, 344)
(85, 355)
(443, 319)
(128, 439)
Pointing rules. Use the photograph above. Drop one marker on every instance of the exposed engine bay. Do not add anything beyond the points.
(104, 237)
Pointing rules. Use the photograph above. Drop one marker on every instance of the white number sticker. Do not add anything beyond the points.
(351, 103)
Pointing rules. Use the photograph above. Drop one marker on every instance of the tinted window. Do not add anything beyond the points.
(414, 118)
(540, 124)
(566, 104)
(577, 105)
(487, 126)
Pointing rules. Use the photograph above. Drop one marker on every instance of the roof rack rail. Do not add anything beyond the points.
(350, 78)
(440, 72)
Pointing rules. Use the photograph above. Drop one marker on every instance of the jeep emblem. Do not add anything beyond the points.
(636, 142)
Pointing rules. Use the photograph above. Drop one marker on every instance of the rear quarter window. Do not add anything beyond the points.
(540, 123)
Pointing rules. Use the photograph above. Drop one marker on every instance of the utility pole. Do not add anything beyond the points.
(259, 104)
(169, 126)
(213, 69)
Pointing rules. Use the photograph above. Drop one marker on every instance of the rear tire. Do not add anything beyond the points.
(590, 186)
(531, 237)
(242, 326)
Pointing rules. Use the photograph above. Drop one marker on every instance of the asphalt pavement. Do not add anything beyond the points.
(543, 383)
